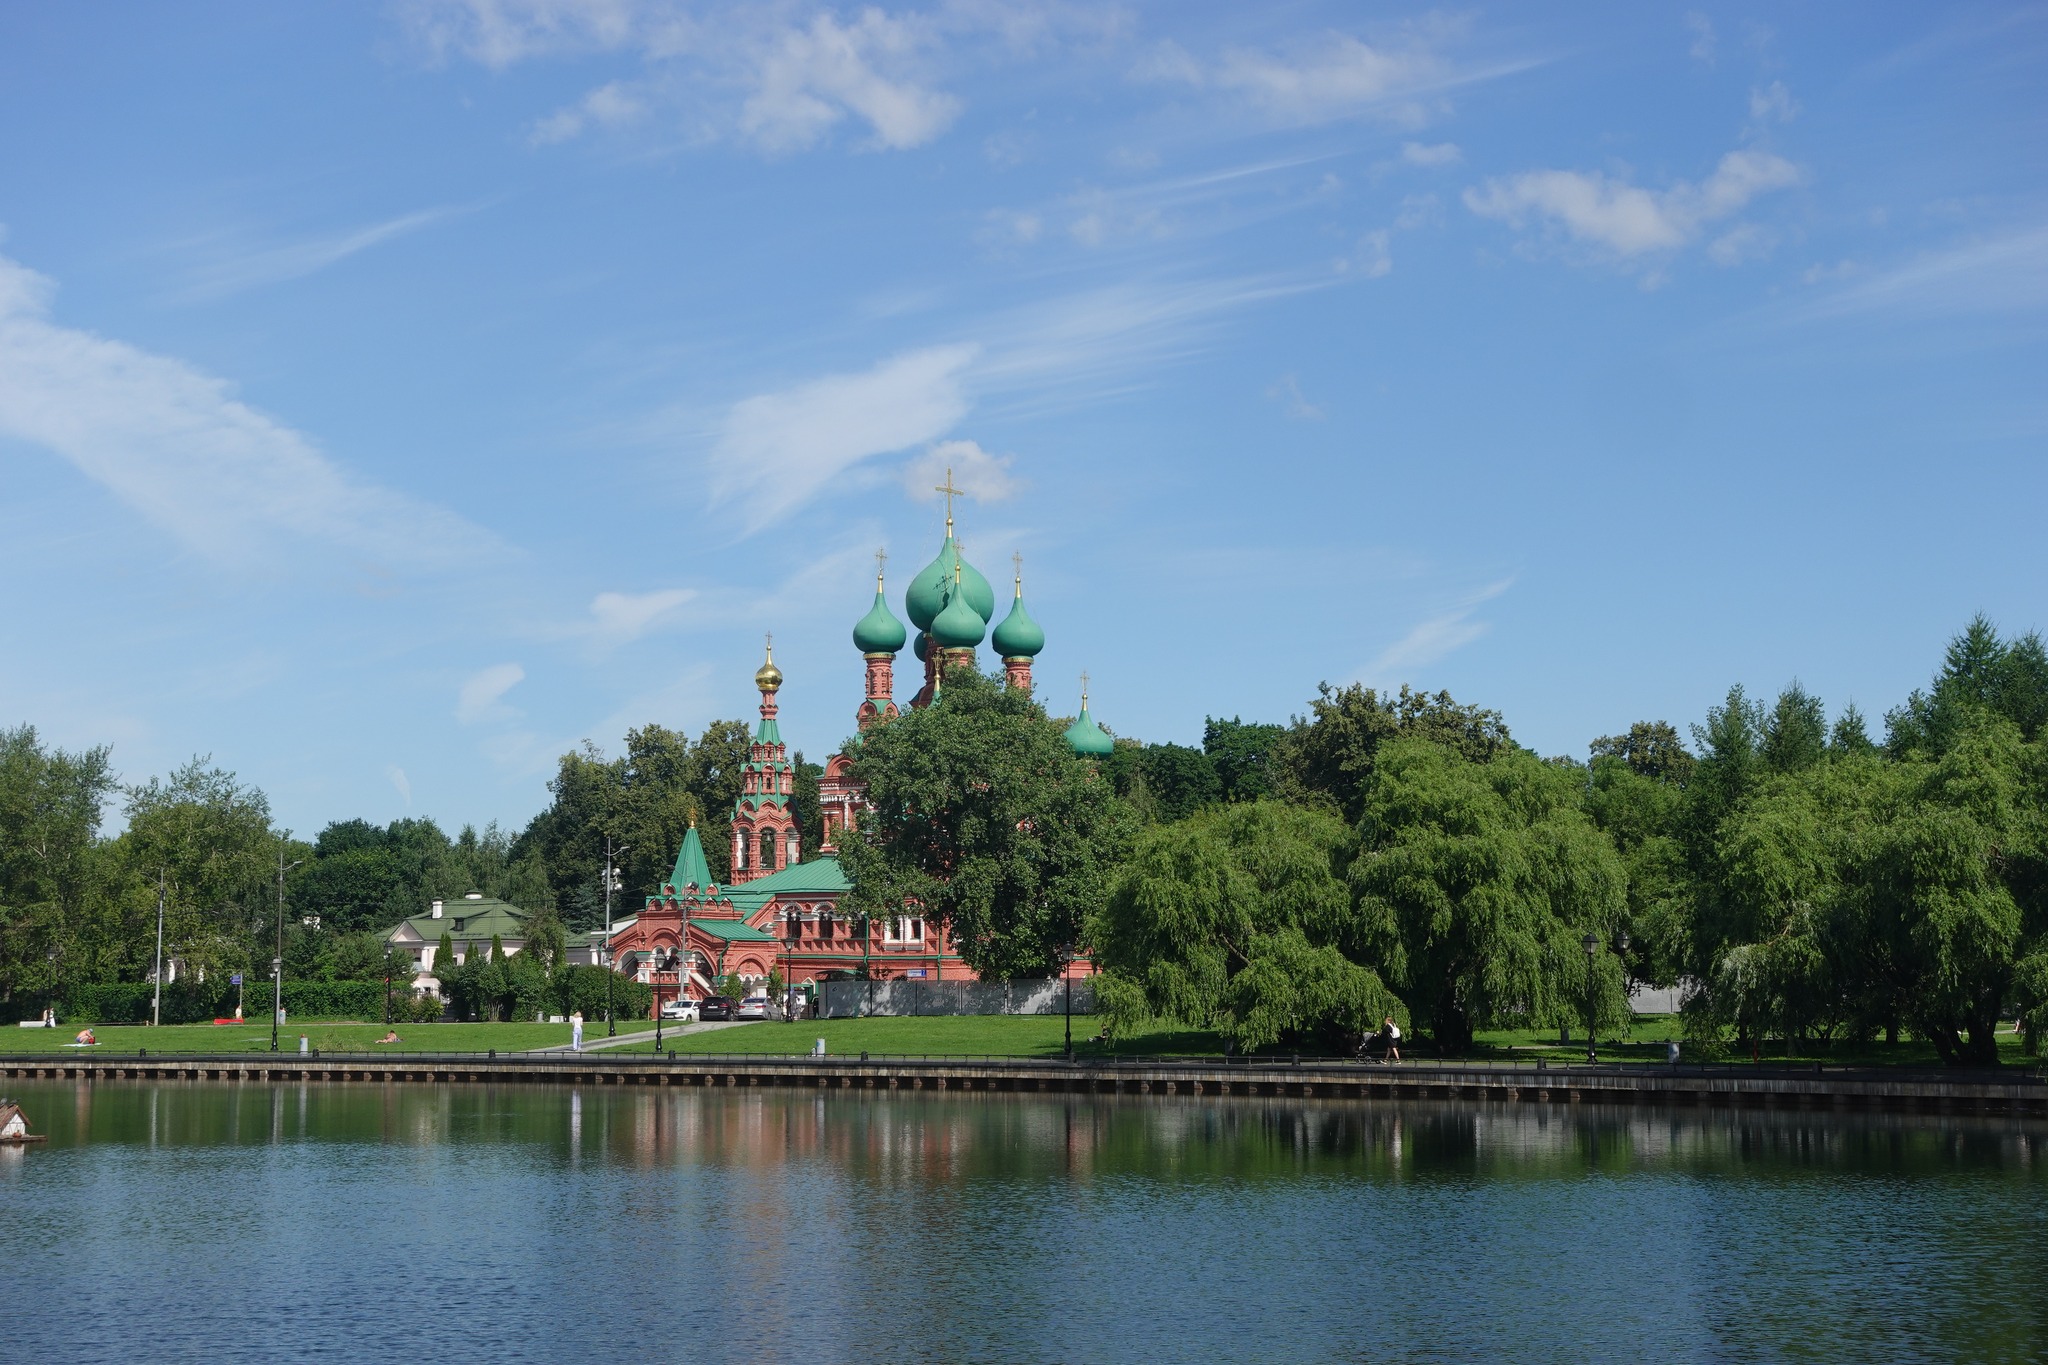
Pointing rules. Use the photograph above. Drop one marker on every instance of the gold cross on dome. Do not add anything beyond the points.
(1084, 689)
(951, 493)
(1017, 558)
(881, 558)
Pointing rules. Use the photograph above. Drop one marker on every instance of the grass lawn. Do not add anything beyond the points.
(1646, 1042)
(941, 1036)
(937, 1036)
(328, 1037)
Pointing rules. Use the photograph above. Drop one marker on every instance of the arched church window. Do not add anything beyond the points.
(767, 850)
(792, 854)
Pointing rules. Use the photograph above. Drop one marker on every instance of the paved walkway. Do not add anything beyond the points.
(646, 1036)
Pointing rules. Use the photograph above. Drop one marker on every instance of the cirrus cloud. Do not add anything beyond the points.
(1628, 220)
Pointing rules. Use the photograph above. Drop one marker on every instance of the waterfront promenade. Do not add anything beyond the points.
(1812, 1087)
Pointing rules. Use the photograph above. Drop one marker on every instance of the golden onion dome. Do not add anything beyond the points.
(768, 677)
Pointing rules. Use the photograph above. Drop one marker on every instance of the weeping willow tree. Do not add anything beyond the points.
(1476, 882)
(1235, 919)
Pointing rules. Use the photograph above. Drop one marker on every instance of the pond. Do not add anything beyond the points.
(172, 1221)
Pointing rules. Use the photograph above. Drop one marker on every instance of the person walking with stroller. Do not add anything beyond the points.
(1391, 1033)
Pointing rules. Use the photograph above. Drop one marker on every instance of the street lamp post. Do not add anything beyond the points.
(1592, 946)
(611, 1028)
(791, 924)
(1067, 979)
(277, 962)
(156, 1006)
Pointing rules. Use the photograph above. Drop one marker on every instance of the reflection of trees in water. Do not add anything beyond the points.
(891, 1142)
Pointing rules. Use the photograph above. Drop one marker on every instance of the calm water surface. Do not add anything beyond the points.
(194, 1221)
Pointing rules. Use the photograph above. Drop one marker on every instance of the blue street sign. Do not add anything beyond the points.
(235, 980)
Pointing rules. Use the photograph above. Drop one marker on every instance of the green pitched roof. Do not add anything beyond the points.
(691, 869)
(821, 875)
(480, 919)
(731, 930)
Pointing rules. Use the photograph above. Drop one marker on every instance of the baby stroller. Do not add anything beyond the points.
(1375, 1047)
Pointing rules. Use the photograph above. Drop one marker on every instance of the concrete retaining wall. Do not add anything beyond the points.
(850, 999)
(2018, 1094)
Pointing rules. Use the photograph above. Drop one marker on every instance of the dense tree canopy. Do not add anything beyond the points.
(1329, 756)
(1476, 882)
(1236, 919)
(983, 817)
(1795, 877)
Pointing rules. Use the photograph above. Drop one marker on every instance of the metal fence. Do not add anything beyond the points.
(854, 999)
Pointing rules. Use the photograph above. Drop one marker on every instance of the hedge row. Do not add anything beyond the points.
(197, 1002)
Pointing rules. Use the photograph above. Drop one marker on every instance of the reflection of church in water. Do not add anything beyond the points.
(781, 912)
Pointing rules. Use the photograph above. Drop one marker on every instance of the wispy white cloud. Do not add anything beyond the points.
(249, 269)
(1431, 154)
(775, 451)
(617, 618)
(1772, 103)
(1628, 220)
(481, 696)
(2004, 273)
(1703, 41)
(400, 783)
(981, 475)
(611, 105)
(1286, 390)
(173, 443)
(1432, 639)
(1324, 77)
(810, 78)
(1149, 211)
(776, 77)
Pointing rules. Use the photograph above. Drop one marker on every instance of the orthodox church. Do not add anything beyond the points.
(780, 912)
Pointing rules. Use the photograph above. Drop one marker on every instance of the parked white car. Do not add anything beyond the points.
(754, 1007)
(684, 1010)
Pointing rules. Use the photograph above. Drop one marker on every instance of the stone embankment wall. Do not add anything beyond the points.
(2019, 1095)
(852, 999)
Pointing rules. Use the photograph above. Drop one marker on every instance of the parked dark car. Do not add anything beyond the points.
(717, 1007)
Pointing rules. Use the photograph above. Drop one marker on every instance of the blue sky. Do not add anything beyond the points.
(394, 397)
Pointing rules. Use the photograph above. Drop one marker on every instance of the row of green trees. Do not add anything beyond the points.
(1380, 854)
(1403, 855)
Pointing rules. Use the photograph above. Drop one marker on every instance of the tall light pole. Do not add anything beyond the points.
(277, 962)
(156, 1003)
(791, 924)
(611, 1028)
(1592, 946)
(1067, 976)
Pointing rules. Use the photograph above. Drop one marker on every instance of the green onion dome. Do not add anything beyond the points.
(922, 646)
(928, 592)
(958, 625)
(1018, 637)
(879, 632)
(1088, 739)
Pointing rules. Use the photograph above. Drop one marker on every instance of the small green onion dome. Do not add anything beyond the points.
(927, 594)
(1088, 739)
(922, 646)
(958, 625)
(1018, 637)
(879, 632)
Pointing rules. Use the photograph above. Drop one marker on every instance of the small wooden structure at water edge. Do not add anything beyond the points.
(14, 1127)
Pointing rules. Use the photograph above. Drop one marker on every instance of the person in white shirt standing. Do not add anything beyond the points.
(1391, 1031)
(576, 1031)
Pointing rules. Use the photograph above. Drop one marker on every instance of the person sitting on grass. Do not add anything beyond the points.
(391, 1037)
(85, 1038)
